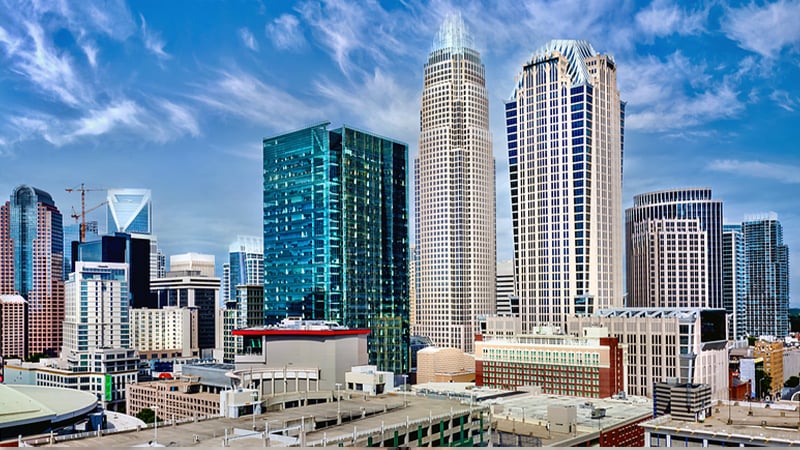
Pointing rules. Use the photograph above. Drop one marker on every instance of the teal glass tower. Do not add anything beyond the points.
(336, 234)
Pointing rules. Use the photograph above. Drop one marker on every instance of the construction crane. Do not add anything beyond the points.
(83, 190)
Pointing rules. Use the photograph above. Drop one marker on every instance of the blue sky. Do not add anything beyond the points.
(176, 96)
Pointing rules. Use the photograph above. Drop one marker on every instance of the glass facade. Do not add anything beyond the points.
(129, 211)
(336, 234)
(767, 259)
(734, 279)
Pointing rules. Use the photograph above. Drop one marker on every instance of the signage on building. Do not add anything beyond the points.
(108, 388)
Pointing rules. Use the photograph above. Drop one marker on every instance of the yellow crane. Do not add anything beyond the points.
(83, 190)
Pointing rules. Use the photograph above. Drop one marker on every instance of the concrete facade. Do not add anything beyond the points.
(435, 364)
(170, 330)
(14, 317)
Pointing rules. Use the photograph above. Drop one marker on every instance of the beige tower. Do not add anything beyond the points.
(564, 125)
(455, 194)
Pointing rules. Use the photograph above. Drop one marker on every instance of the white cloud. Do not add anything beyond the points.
(101, 121)
(91, 53)
(243, 95)
(248, 39)
(285, 33)
(784, 100)
(181, 118)
(783, 173)
(153, 41)
(765, 30)
(663, 18)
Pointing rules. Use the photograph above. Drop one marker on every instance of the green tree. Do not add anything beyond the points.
(751, 340)
(146, 415)
(793, 381)
(765, 385)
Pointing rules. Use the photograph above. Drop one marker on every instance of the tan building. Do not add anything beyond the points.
(772, 353)
(14, 322)
(168, 332)
(435, 364)
(179, 399)
(192, 262)
(666, 345)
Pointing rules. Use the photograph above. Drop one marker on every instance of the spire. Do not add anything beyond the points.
(452, 34)
(576, 53)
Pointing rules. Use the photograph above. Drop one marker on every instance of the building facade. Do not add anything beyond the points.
(507, 299)
(767, 299)
(674, 249)
(31, 264)
(564, 125)
(454, 185)
(197, 262)
(336, 234)
(72, 233)
(687, 345)
(191, 289)
(562, 365)
(169, 330)
(734, 280)
(173, 400)
(129, 211)
(13, 334)
(245, 266)
(772, 354)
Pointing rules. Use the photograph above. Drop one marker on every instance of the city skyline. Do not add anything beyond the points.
(145, 96)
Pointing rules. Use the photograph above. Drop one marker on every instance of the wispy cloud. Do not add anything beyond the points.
(285, 33)
(783, 173)
(100, 121)
(153, 41)
(243, 95)
(248, 39)
(180, 117)
(766, 29)
(784, 100)
(663, 18)
(91, 53)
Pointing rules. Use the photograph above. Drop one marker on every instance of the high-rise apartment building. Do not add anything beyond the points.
(245, 265)
(31, 264)
(564, 124)
(674, 249)
(734, 280)
(454, 185)
(336, 234)
(767, 258)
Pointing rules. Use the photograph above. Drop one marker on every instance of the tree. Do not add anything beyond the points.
(766, 385)
(146, 415)
(793, 381)
(751, 340)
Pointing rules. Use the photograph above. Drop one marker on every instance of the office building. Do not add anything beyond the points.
(173, 400)
(193, 262)
(445, 365)
(592, 366)
(454, 185)
(14, 320)
(767, 299)
(72, 233)
(31, 264)
(132, 250)
(564, 125)
(168, 332)
(734, 280)
(129, 211)
(336, 234)
(674, 249)
(245, 265)
(686, 345)
(772, 354)
(507, 299)
(413, 281)
(189, 288)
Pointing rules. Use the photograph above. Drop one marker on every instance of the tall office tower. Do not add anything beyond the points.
(564, 124)
(245, 265)
(72, 233)
(454, 183)
(767, 299)
(130, 211)
(507, 299)
(734, 280)
(336, 234)
(97, 311)
(31, 264)
(413, 281)
(674, 249)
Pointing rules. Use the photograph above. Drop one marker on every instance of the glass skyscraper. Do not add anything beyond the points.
(32, 246)
(245, 266)
(734, 280)
(674, 249)
(767, 259)
(454, 185)
(130, 211)
(564, 125)
(336, 234)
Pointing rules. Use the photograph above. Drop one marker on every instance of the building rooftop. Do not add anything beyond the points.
(298, 326)
(20, 404)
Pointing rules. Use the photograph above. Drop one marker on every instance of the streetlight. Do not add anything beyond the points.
(155, 438)
(338, 405)
(405, 388)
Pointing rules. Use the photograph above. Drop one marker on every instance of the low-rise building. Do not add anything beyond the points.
(369, 379)
(772, 353)
(14, 333)
(172, 399)
(436, 364)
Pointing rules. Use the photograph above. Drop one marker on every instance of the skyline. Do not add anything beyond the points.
(177, 99)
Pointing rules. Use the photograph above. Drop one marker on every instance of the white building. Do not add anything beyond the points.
(455, 193)
(187, 262)
(564, 127)
(245, 265)
(170, 330)
(507, 299)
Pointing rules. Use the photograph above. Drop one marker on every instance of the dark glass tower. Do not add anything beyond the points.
(336, 234)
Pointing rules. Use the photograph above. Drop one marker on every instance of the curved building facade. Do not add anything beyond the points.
(674, 249)
(564, 125)
(455, 193)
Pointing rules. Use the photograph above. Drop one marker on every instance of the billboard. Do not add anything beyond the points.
(713, 325)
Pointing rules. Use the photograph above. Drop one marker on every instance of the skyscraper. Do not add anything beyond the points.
(564, 124)
(32, 246)
(245, 266)
(674, 249)
(72, 233)
(767, 258)
(454, 185)
(734, 280)
(130, 211)
(336, 234)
